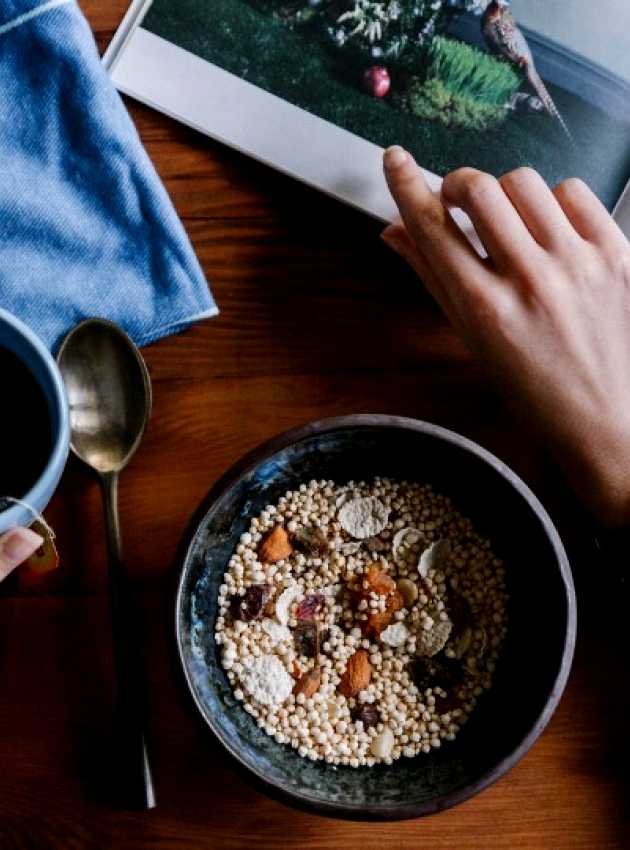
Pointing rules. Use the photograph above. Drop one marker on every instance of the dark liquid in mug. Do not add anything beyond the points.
(25, 429)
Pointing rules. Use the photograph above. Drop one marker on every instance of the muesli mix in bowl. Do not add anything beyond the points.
(361, 622)
(375, 617)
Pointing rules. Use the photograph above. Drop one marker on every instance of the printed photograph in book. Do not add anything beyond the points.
(494, 85)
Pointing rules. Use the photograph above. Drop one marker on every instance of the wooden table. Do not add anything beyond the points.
(317, 319)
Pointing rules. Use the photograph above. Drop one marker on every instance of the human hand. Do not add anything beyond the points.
(16, 546)
(548, 311)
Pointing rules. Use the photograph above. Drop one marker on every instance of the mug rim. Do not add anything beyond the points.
(61, 438)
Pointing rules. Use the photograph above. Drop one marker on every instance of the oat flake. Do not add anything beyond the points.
(432, 641)
(266, 680)
(395, 635)
(363, 517)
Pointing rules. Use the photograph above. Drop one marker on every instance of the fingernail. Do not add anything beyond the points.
(394, 157)
(19, 544)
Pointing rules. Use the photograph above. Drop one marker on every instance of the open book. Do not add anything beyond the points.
(317, 88)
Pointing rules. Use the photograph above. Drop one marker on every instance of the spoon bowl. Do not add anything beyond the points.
(109, 393)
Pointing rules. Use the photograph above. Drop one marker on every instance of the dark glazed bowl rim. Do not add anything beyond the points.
(377, 422)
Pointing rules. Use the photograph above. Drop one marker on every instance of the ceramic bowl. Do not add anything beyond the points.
(25, 344)
(531, 672)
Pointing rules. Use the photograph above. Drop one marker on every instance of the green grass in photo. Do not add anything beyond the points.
(462, 87)
(433, 101)
(470, 73)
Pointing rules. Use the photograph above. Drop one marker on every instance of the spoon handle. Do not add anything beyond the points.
(133, 772)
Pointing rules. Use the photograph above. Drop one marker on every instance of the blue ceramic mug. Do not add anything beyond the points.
(27, 347)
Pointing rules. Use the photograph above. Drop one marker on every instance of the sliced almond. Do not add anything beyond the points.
(404, 538)
(434, 557)
(286, 599)
(483, 643)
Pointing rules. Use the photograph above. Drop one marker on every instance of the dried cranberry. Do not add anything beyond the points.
(367, 713)
(252, 604)
(310, 607)
(306, 639)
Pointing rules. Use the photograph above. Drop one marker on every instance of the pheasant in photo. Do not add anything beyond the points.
(503, 36)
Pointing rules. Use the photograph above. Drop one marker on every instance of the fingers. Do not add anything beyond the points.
(588, 215)
(538, 208)
(499, 226)
(428, 222)
(16, 546)
(397, 238)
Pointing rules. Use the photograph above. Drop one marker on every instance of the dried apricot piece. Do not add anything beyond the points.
(275, 546)
(377, 621)
(378, 581)
(308, 683)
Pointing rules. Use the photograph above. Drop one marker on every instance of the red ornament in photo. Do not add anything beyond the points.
(376, 81)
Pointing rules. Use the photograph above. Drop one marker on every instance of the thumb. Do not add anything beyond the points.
(16, 546)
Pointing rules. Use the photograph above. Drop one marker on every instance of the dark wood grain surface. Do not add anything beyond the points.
(317, 319)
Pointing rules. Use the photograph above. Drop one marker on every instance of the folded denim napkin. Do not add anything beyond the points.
(86, 227)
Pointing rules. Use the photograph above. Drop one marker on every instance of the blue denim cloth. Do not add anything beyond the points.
(86, 227)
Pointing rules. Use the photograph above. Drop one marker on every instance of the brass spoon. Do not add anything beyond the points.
(109, 393)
